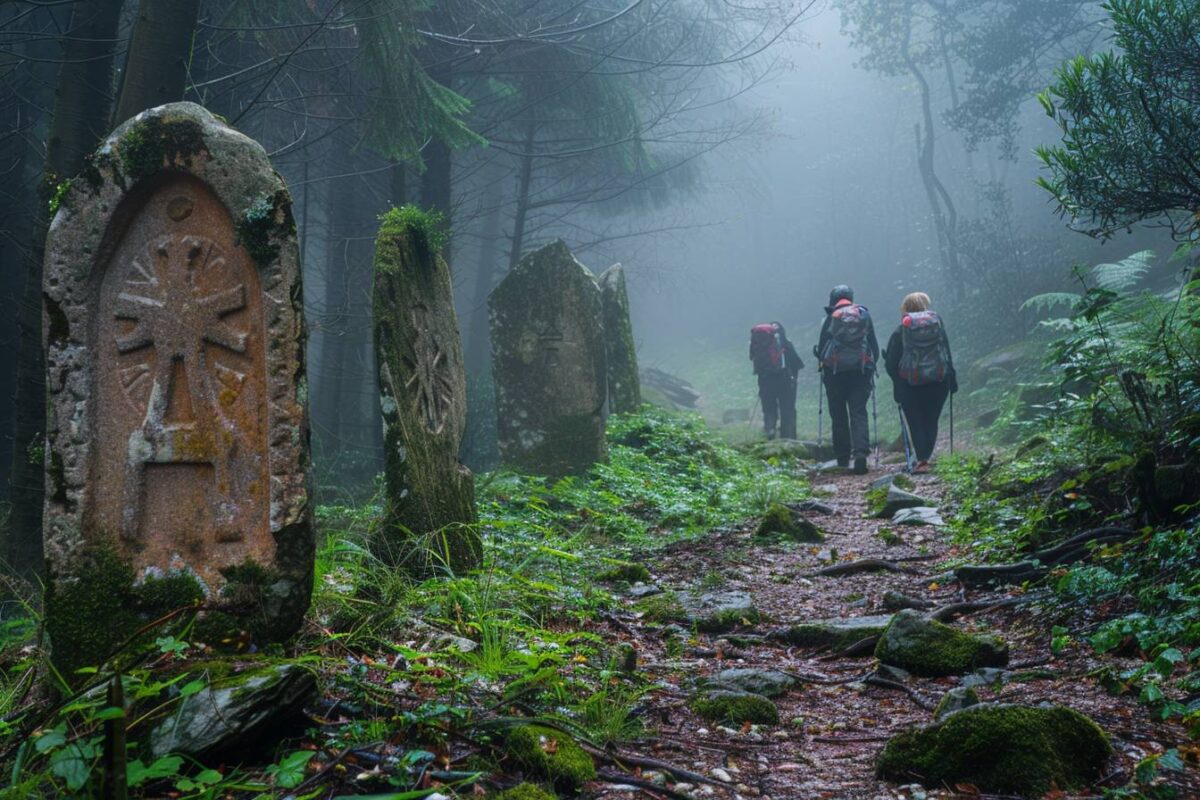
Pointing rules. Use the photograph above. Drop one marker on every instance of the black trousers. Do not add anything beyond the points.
(848, 393)
(778, 395)
(923, 407)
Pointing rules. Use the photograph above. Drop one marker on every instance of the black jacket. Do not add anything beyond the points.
(823, 340)
(895, 350)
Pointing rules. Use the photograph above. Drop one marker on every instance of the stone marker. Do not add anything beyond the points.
(549, 365)
(423, 388)
(177, 436)
(624, 385)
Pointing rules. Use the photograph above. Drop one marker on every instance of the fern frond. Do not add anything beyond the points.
(1125, 273)
(1049, 300)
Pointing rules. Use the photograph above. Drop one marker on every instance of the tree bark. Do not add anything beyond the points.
(160, 51)
(478, 351)
(523, 180)
(81, 112)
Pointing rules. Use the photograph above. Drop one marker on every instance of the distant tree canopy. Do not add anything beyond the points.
(1131, 123)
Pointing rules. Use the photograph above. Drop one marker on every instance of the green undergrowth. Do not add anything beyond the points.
(409, 668)
(1106, 437)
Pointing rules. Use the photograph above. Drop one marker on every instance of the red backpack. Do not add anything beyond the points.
(766, 349)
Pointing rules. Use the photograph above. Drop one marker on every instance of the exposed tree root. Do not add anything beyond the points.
(621, 759)
(861, 565)
(884, 683)
(1072, 550)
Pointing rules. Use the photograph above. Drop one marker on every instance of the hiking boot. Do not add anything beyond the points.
(922, 467)
(860, 466)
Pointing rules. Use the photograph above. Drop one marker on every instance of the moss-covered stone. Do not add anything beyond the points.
(552, 755)
(526, 791)
(836, 634)
(159, 141)
(624, 572)
(956, 699)
(930, 648)
(101, 608)
(661, 608)
(624, 383)
(1005, 749)
(735, 708)
(720, 611)
(430, 496)
(549, 363)
(781, 522)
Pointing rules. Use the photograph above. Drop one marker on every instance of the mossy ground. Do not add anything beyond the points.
(624, 572)
(551, 754)
(1000, 749)
(526, 791)
(662, 608)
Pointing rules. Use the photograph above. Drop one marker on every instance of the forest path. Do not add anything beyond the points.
(829, 733)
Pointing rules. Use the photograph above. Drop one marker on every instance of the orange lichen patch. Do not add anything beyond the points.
(183, 451)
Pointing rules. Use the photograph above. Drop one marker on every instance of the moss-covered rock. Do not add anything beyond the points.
(718, 612)
(526, 791)
(765, 682)
(549, 364)
(661, 608)
(735, 708)
(430, 496)
(929, 648)
(781, 522)
(956, 699)
(624, 572)
(1005, 749)
(624, 383)
(552, 755)
(836, 634)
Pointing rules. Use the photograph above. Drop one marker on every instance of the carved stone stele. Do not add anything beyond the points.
(177, 461)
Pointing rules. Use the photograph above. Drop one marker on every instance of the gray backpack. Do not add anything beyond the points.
(925, 359)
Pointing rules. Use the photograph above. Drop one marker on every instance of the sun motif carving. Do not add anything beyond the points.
(429, 378)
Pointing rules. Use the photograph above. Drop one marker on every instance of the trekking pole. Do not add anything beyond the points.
(820, 411)
(875, 424)
(952, 423)
(909, 459)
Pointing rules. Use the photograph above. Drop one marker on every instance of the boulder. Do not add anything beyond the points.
(781, 522)
(717, 612)
(930, 648)
(767, 682)
(956, 699)
(735, 708)
(896, 601)
(837, 634)
(248, 710)
(1001, 749)
(918, 515)
(897, 499)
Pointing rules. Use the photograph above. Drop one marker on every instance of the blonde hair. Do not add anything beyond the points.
(917, 301)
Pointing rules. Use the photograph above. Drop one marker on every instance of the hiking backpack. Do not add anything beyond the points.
(766, 349)
(925, 358)
(847, 347)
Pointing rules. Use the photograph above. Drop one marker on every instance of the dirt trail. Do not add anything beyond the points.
(829, 734)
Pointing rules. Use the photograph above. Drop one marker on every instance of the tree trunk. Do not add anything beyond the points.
(478, 350)
(81, 111)
(523, 180)
(435, 186)
(945, 216)
(160, 51)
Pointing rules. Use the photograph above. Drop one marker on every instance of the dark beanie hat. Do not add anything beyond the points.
(840, 292)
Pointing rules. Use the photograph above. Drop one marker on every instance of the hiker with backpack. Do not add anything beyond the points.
(848, 351)
(922, 372)
(776, 364)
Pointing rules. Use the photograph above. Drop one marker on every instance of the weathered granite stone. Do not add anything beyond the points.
(932, 649)
(430, 496)
(767, 682)
(624, 385)
(835, 633)
(549, 364)
(177, 432)
(246, 710)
